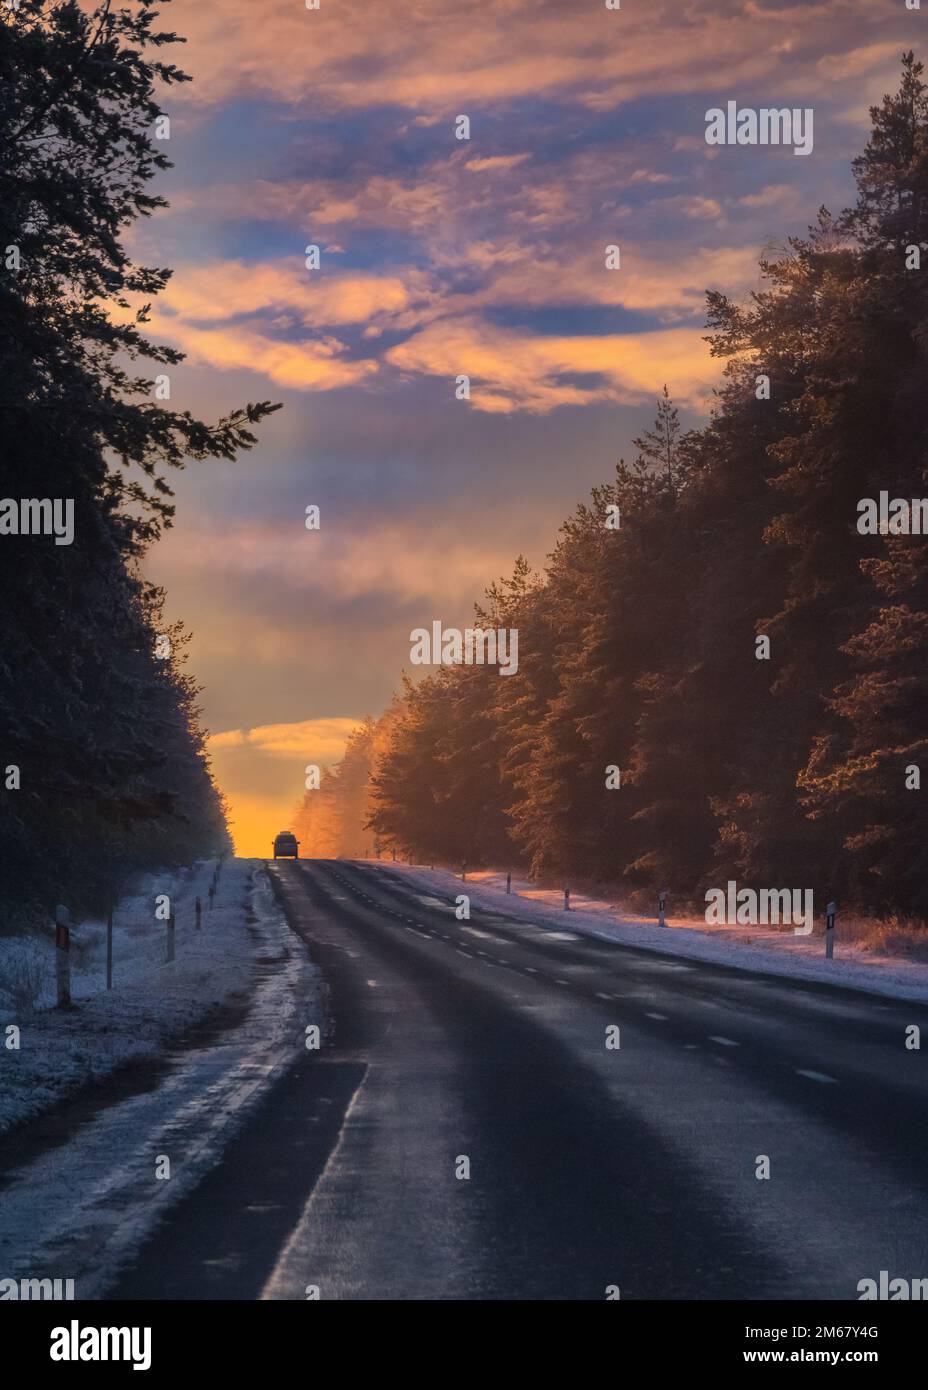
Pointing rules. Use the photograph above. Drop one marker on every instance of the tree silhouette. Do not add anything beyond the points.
(103, 727)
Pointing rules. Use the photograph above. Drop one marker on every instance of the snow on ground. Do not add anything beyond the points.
(151, 1001)
(768, 949)
(82, 1207)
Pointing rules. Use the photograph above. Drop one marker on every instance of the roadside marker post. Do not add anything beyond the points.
(566, 897)
(509, 881)
(63, 955)
(661, 906)
(831, 913)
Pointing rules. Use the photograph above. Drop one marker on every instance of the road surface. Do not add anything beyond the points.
(467, 1131)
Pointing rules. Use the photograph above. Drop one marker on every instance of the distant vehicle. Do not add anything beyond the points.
(286, 845)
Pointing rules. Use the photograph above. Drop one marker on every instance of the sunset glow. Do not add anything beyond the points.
(437, 257)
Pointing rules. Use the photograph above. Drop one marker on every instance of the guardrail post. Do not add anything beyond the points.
(831, 913)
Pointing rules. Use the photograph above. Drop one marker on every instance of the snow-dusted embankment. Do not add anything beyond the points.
(80, 1209)
(762, 949)
(151, 1002)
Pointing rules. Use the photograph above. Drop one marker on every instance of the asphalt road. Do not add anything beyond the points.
(466, 1131)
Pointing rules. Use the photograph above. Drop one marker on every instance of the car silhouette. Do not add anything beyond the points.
(286, 845)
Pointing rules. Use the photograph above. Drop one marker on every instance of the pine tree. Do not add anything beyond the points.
(638, 645)
(105, 733)
(862, 774)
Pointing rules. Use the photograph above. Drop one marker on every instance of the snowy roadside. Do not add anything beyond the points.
(151, 1001)
(745, 948)
(82, 1207)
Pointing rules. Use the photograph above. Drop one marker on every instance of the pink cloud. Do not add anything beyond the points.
(323, 739)
(434, 59)
(513, 371)
(495, 163)
(315, 365)
(224, 289)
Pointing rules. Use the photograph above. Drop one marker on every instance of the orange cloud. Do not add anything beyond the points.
(691, 206)
(495, 163)
(307, 366)
(459, 58)
(673, 285)
(225, 289)
(837, 67)
(200, 309)
(514, 371)
(322, 739)
(423, 558)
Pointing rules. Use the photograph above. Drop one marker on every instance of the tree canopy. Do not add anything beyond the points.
(641, 644)
(98, 720)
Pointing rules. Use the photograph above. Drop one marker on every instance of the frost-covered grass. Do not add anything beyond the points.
(24, 968)
(83, 1205)
(151, 1002)
(893, 937)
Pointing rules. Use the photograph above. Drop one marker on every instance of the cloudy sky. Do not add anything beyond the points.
(336, 127)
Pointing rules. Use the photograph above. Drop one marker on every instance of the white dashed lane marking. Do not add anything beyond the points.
(821, 1077)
